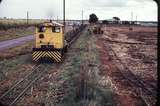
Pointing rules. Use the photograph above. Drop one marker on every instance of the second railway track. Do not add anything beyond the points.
(143, 89)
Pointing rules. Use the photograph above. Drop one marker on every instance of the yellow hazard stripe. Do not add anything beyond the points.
(58, 54)
(41, 55)
(34, 55)
(59, 58)
(38, 56)
(54, 57)
(48, 55)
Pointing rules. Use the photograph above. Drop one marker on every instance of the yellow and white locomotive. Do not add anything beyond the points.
(50, 42)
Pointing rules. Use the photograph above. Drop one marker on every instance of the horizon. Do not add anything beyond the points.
(141, 10)
(2, 18)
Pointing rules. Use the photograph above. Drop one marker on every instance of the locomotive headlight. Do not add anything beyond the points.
(41, 36)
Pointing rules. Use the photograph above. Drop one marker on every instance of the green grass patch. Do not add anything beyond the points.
(14, 33)
(70, 72)
(17, 51)
(9, 66)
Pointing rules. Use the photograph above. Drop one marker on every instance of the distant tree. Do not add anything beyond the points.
(126, 22)
(133, 22)
(105, 22)
(117, 19)
(93, 18)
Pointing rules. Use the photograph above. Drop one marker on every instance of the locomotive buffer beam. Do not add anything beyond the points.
(45, 54)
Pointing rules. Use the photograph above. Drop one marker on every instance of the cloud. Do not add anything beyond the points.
(145, 9)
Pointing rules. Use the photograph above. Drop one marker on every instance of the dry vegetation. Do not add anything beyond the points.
(20, 21)
(88, 76)
(16, 33)
(14, 28)
(17, 51)
(64, 86)
(137, 49)
(12, 59)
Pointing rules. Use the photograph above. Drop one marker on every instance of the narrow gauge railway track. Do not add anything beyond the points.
(143, 89)
(12, 95)
(124, 42)
(73, 35)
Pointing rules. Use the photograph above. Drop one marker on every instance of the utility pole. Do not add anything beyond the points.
(64, 14)
(57, 18)
(131, 17)
(27, 17)
(82, 17)
(136, 19)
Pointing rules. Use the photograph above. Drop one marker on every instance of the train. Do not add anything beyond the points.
(50, 43)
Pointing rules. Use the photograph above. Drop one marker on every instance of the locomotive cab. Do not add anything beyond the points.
(49, 42)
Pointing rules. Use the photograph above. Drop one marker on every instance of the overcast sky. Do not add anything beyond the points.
(145, 10)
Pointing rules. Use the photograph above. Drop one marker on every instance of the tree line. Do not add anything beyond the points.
(116, 20)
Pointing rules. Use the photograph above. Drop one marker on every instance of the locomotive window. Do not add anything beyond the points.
(41, 29)
(56, 29)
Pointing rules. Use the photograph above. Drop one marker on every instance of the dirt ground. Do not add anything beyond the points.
(137, 49)
(89, 60)
(61, 86)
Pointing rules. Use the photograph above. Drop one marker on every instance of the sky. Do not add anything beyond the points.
(144, 10)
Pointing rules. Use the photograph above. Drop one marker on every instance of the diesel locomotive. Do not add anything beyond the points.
(50, 43)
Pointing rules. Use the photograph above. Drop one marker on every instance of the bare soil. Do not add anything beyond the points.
(137, 49)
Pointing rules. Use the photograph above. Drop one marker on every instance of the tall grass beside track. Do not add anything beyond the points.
(12, 59)
(15, 28)
(95, 94)
(82, 53)
(6, 24)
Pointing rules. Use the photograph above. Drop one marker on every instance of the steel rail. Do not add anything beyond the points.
(135, 81)
(21, 80)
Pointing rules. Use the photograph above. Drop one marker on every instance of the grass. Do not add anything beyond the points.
(9, 66)
(70, 72)
(12, 59)
(17, 51)
(20, 21)
(16, 33)
(15, 28)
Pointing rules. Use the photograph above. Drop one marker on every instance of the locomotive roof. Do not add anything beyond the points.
(46, 24)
